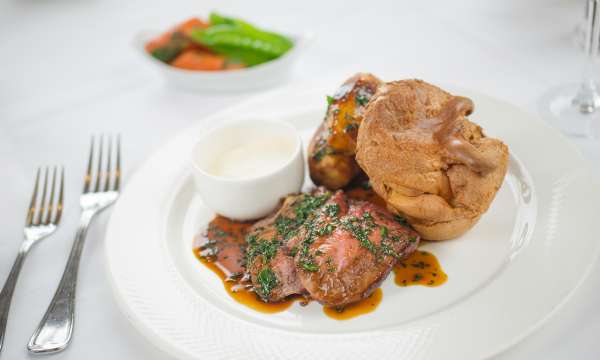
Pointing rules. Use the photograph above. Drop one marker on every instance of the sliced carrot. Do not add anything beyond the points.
(199, 60)
(158, 42)
(187, 26)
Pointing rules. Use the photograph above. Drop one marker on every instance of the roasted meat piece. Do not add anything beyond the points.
(324, 245)
(348, 248)
(268, 261)
(223, 244)
(332, 148)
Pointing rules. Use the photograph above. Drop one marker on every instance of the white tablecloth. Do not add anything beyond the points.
(67, 70)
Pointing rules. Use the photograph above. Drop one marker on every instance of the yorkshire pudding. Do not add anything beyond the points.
(427, 160)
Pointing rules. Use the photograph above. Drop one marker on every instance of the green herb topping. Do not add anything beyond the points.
(383, 231)
(263, 247)
(332, 209)
(309, 266)
(267, 280)
(401, 220)
(330, 100)
(362, 99)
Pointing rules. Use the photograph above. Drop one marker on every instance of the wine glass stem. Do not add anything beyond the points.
(587, 98)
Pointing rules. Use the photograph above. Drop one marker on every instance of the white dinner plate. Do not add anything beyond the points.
(506, 276)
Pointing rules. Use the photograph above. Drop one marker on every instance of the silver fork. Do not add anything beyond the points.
(37, 227)
(56, 328)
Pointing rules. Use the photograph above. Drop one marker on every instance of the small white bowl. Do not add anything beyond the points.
(259, 76)
(251, 197)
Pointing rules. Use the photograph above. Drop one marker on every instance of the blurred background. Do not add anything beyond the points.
(68, 69)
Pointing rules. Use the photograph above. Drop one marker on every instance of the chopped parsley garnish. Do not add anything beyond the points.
(362, 235)
(308, 205)
(330, 100)
(420, 264)
(362, 99)
(326, 230)
(320, 154)
(309, 266)
(332, 209)
(351, 127)
(383, 231)
(285, 226)
(387, 250)
(267, 280)
(401, 220)
(256, 247)
(330, 264)
(218, 233)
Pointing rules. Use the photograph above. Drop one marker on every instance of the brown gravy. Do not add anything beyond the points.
(222, 244)
(242, 294)
(419, 268)
(362, 307)
(444, 127)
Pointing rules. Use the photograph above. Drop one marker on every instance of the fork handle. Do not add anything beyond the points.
(53, 334)
(8, 290)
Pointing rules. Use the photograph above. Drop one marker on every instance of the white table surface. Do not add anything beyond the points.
(67, 70)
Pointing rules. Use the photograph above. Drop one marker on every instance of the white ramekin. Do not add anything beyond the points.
(246, 198)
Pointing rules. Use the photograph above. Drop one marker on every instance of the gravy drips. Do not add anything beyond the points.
(445, 129)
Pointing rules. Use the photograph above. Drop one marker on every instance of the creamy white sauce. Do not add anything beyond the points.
(253, 157)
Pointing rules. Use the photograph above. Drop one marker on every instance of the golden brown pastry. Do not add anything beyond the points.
(331, 151)
(427, 160)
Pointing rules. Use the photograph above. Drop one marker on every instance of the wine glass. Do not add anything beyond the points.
(575, 109)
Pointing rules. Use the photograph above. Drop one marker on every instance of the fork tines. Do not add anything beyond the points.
(106, 174)
(46, 211)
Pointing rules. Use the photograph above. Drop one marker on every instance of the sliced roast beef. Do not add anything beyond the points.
(345, 255)
(270, 264)
(335, 249)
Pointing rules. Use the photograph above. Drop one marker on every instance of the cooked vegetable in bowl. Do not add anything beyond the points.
(222, 43)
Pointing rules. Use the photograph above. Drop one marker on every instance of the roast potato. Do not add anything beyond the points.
(331, 151)
(427, 160)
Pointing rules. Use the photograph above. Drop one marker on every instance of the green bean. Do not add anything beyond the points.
(241, 41)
